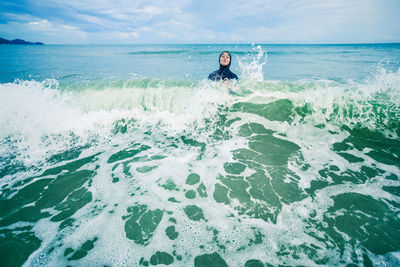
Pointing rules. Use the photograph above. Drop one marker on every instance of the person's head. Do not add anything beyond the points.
(225, 59)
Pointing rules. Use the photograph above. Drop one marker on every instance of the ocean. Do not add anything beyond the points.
(126, 155)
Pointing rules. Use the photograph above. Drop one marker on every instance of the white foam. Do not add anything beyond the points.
(170, 113)
(40, 120)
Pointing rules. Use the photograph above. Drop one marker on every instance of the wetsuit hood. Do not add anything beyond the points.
(222, 68)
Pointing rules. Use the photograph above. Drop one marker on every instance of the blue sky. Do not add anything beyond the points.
(195, 21)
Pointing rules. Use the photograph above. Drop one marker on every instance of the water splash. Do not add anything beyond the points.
(251, 65)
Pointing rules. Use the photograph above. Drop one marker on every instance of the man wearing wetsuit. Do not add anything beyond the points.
(223, 74)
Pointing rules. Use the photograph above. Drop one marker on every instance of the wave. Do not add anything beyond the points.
(41, 117)
(373, 103)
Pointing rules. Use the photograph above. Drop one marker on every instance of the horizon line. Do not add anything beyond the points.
(252, 43)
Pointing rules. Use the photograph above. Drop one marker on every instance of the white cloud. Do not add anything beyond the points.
(269, 21)
(41, 23)
(127, 35)
(37, 29)
(19, 17)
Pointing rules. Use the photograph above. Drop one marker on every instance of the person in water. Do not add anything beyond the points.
(224, 73)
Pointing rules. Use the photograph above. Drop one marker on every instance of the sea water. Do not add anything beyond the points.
(128, 156)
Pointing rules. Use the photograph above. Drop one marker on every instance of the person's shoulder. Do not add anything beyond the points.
(213, 75)
(233, 76)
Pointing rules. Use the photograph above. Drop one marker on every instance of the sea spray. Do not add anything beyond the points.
(251, 65)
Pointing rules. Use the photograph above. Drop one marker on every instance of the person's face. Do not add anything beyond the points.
(224, 59)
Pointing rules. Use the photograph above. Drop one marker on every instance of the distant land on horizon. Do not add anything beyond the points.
(19, 41)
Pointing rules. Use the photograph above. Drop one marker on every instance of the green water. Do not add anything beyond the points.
(184, 172)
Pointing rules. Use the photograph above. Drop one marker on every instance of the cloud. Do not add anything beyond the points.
(35, 29)
(208, 21)
(127, 35)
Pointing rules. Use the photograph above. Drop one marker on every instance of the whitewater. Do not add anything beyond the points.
(128, 156)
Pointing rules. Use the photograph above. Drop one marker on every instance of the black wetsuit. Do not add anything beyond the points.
(223, 72)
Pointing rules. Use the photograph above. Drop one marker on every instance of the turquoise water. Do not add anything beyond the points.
(127, 156)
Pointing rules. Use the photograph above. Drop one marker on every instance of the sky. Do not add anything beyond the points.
(200, 21)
